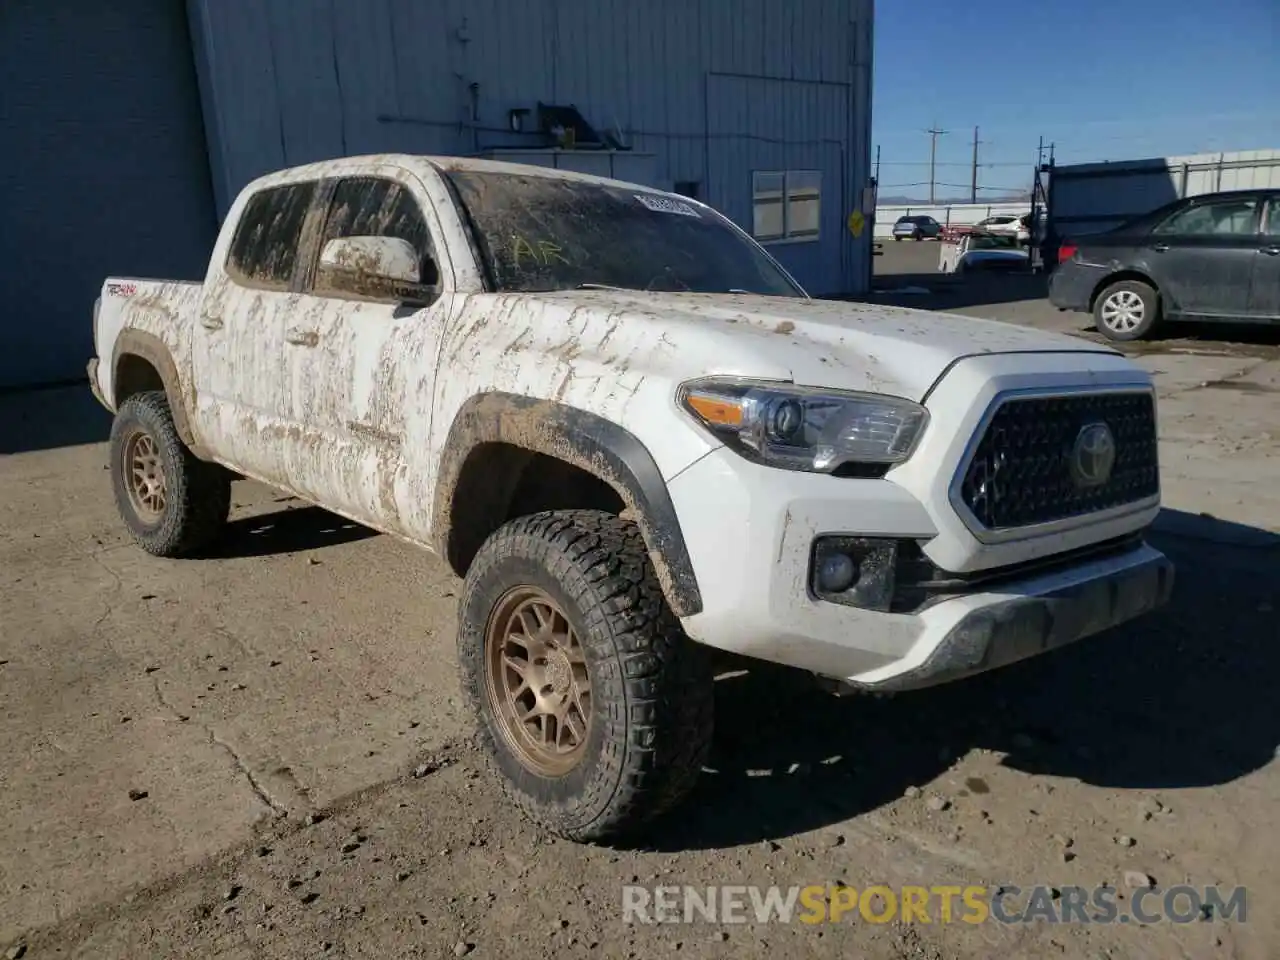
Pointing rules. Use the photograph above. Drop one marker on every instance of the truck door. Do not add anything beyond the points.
(362, 368)
(243, 398)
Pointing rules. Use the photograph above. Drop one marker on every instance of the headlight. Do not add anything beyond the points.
(806, 428)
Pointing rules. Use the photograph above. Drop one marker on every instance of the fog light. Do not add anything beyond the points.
(835, 573)
(855, 571)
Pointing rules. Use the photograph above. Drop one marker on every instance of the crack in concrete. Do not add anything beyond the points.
(259, 791)
(110, 607)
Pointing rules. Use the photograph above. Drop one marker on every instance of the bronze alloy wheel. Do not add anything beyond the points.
(537, 681)
(144, 476)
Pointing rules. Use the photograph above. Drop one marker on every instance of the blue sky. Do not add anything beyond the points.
(1104, 79)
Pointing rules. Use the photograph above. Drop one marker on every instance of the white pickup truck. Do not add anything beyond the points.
(636, 438)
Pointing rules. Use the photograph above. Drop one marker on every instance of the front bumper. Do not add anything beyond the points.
(992, 630)
(754, 579)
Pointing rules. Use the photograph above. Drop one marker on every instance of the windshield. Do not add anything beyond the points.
(539, 233)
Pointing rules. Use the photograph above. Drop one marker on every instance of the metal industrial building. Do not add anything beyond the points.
(129, 125)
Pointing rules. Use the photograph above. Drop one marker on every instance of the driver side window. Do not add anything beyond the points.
(377, 207)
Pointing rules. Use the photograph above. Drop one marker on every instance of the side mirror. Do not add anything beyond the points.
(380, 267)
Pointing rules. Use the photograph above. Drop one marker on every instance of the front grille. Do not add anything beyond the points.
(1021, 472)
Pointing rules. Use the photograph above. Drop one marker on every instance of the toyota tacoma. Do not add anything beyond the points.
(638, 440)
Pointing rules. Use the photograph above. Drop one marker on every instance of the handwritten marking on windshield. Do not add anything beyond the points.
(542, 253)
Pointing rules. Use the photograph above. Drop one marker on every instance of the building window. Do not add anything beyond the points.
(785, 204)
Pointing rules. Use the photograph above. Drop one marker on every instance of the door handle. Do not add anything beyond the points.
(1271, 251)
(301, 338)
(1160, 247)
(210, 322)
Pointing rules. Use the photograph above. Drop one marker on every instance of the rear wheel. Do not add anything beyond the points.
(1126, 310)
(172, 502)
(594, 707)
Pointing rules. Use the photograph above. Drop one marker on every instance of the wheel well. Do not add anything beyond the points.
(1116, 278)
(501, 481)
(135, 375)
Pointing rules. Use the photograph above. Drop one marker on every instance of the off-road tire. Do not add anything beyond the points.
(197, 494)
(651, 686)
(1151, 310)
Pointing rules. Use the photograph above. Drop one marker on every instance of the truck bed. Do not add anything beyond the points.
(164, 309)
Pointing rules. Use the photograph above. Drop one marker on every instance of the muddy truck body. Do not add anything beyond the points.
(638, 441)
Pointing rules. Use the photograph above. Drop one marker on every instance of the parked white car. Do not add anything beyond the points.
(637, 439)
(1019, 228)
(982, 253)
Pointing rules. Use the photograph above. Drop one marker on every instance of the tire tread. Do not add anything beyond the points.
(601, 560)
(198, 494)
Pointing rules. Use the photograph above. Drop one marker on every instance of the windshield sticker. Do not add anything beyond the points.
(667, 205)
(544, 252)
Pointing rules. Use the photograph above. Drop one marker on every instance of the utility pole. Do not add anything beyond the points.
(877, 163)
(973, 183)
(934, 134)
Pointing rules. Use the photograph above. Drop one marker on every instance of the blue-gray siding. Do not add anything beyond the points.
(713, 88)
(103, 169)
(128, 126)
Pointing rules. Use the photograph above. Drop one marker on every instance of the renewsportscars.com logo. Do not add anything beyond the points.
(944, 904)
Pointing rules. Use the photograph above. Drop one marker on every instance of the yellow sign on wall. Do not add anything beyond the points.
(856, 222)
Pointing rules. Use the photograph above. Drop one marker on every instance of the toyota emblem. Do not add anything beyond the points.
(1093, 456)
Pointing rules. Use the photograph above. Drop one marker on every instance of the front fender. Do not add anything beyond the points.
(588, 442)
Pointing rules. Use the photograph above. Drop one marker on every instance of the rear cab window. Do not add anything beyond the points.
(264, 248)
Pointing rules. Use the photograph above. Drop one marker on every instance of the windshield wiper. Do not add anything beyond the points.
(598, 286)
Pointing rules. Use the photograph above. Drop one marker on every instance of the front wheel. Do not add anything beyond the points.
(594, 706)
(172, 502)
(1126, 310)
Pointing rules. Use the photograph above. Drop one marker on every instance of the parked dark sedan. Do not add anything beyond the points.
(1211, 257)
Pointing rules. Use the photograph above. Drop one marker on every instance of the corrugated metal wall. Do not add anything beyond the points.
(713, 88)
(102, 169)
(1090, 197)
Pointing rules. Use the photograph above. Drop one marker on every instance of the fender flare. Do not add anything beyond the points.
(585, 440)
(1129, 273)
(152, 349)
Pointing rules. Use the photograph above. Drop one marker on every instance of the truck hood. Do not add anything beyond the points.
(858, 346)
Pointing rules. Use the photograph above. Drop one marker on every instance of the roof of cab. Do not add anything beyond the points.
(369, 164)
